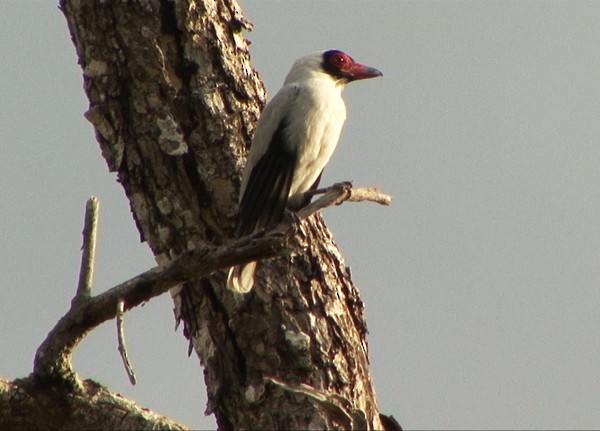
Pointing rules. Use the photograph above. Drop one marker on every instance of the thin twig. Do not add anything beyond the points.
(355, 195)
(338, 193)
(371, 194)
(88, 255)
(121, 341)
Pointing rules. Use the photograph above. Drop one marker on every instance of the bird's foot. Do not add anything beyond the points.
(343, 185)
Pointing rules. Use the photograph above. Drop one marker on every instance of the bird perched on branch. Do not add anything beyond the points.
(294, 139)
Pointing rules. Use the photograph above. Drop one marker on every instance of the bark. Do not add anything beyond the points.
(174, 100)
(29, 404)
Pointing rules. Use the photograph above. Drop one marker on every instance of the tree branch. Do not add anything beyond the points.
(121, 342)
(27, 405)
(339, 409)
(90, 232)
(53, 357)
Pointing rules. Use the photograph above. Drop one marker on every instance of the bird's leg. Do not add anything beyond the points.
(344, 185)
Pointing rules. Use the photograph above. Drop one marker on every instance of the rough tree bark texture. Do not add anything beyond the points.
(27, 404)
(174, 100)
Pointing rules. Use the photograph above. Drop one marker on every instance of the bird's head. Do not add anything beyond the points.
(337, 65)
(343, 67)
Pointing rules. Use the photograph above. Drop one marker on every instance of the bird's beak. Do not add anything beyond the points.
(362, 71)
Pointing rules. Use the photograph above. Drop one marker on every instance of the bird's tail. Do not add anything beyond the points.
(241, 277)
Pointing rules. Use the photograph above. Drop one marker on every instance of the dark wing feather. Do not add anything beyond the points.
(307, 196)
(266, 194)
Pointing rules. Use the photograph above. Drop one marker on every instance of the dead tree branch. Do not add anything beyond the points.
(90, 232)
(25, 404)
(339, 409)
(121, 342)
(53, 357)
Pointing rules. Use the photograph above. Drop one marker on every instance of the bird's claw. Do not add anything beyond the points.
(344, 185)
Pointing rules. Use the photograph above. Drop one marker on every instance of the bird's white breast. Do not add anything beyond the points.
(317, 118)
(310, 105)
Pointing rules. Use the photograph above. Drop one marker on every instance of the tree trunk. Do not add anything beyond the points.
(174, 100)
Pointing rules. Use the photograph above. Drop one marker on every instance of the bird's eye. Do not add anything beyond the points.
(337, 62)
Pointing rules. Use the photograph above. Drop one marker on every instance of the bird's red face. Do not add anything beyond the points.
(341, 65)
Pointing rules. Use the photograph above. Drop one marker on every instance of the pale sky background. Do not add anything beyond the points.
(480, 281)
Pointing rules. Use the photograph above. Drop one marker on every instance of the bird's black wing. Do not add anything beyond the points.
(267, 191)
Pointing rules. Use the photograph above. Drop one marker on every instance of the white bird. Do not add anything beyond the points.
(294, 139)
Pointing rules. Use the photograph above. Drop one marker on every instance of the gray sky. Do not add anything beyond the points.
(480, 281)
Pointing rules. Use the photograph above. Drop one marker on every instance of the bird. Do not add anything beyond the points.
(295, 136)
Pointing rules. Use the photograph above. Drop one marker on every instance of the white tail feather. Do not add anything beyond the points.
(241, 277)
